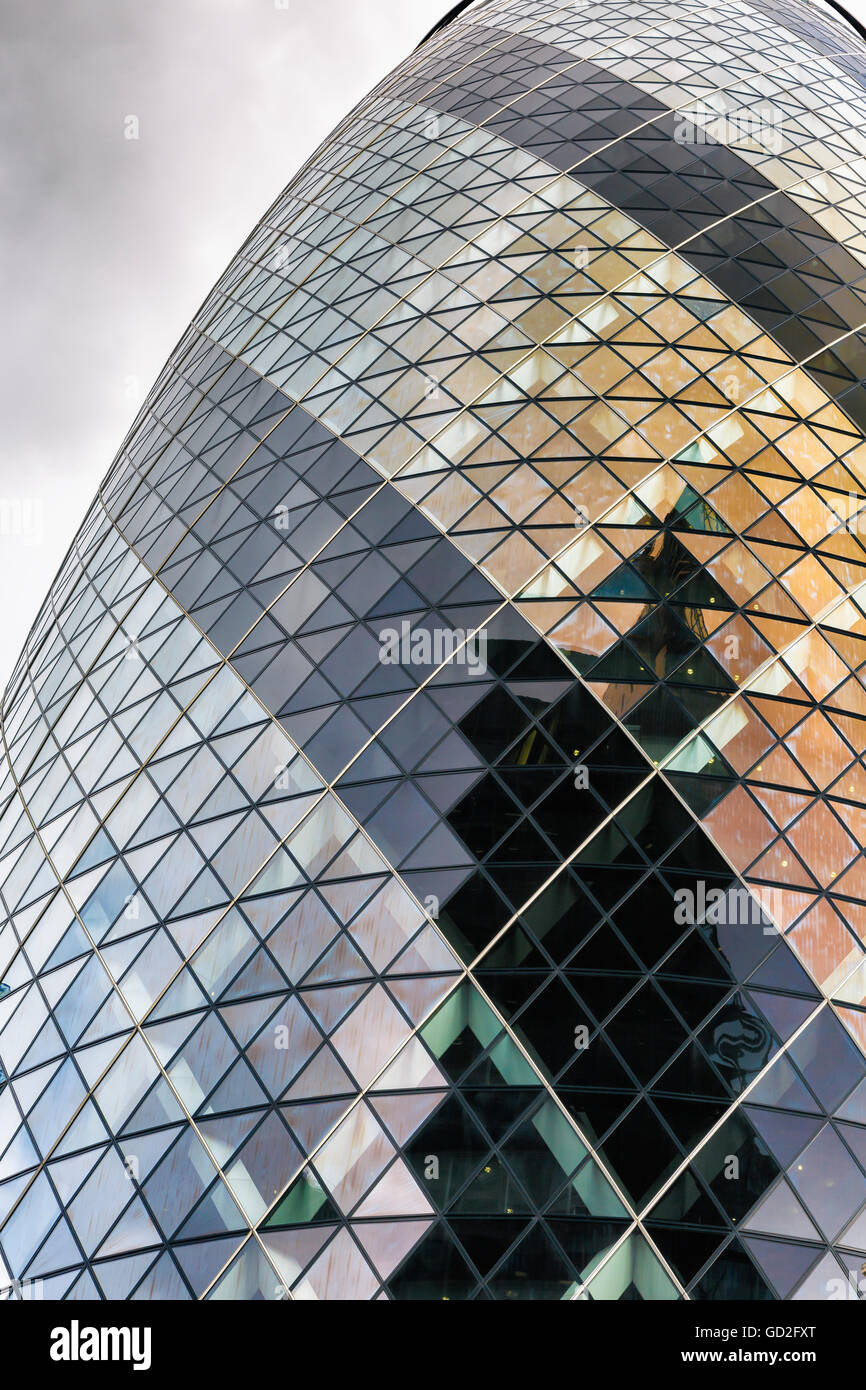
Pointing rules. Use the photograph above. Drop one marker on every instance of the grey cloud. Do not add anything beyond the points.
(109, 245)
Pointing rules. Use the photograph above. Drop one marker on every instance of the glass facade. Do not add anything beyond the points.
(433, 800)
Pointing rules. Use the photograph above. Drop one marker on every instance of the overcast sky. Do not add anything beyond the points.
(109, 245)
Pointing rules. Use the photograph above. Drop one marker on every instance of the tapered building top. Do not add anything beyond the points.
(433, 803)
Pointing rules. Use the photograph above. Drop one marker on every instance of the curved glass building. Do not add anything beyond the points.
(432, 795)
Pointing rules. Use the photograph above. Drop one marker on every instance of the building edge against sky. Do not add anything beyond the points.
(432, 816)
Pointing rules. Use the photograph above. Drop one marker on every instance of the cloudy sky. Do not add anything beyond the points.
(109, 245)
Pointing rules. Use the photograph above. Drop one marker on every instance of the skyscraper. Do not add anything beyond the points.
(433, 802)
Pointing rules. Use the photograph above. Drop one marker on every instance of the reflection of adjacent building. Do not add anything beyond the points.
(666, 641)
(510, 1070)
